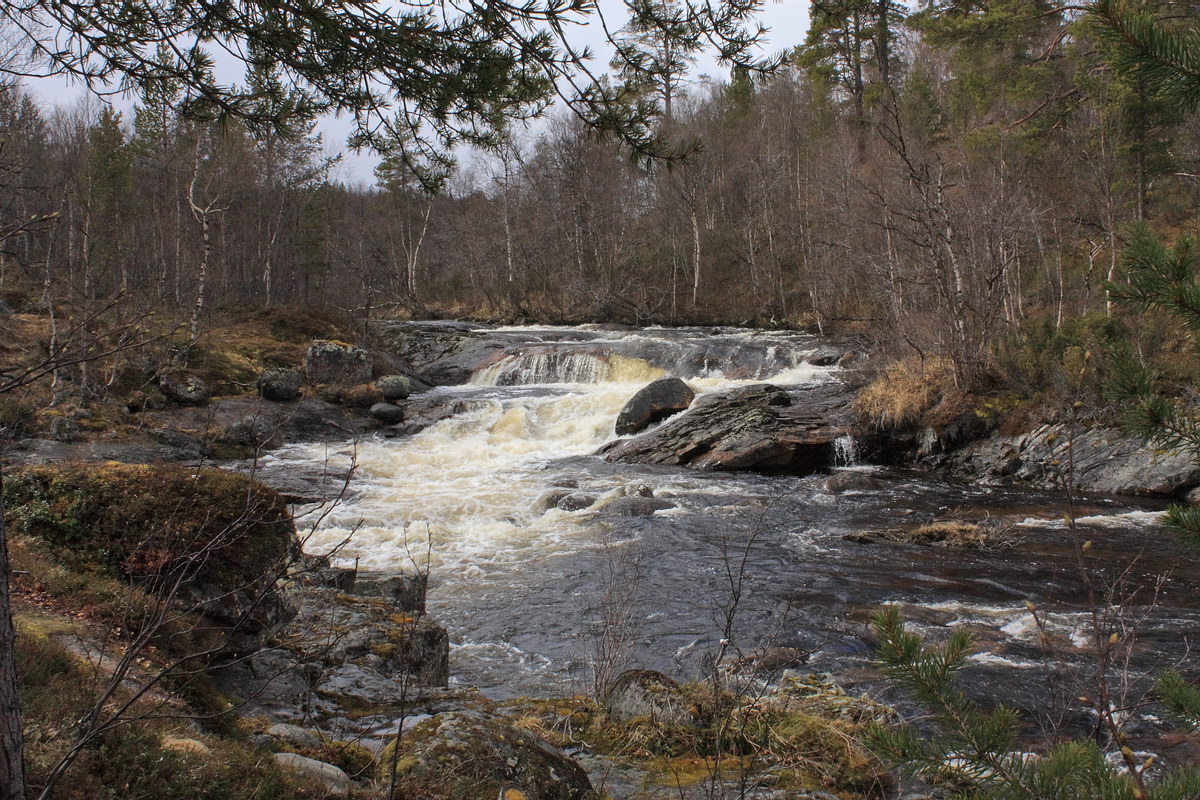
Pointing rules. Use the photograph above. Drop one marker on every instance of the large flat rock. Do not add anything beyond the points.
(755, 427)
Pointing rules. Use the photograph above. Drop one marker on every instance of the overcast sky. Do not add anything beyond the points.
(787, 20)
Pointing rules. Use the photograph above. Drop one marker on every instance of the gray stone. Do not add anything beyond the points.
(182, 387)
(64, 429)
(333, 778)
(295, 735)
(851, 481)
(653, 403)
(252, 430)
(337, 364)
(387, 413)
(281, 385)
(643, 693)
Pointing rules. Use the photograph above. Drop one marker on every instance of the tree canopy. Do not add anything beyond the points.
(429, 75)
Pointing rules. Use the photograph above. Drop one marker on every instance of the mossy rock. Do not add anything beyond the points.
(467, 755)
(212, 541)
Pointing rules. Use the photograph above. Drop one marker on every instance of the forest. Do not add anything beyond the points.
(953, 179)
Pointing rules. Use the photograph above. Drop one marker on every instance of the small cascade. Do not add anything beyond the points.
(845, 452)
(565, 366)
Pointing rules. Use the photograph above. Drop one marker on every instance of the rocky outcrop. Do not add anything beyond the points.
(1101, 460)
(336, 364)
(469, 755)
(653, 403)
(353, 644)
(448, 353)
(751, 427)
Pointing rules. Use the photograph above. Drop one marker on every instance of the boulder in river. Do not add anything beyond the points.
(653, 403)
(337, 364)
(750, 427)
(471, 755)
(387, 413)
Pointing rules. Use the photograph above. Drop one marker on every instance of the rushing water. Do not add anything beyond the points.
(525, 589)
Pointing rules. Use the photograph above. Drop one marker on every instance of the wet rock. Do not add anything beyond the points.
(576, 501)
(448, 353)
(182, 387)
(279, 385)
(850, 481)
(826, 356)
(751, 427)
(550, 500)
(1105, 460)
(294, 735)
(400, 387)
(643, 693)
(635, 506)
(333, 778)
(405, 591)
(471, 755)
(653, 403)
(336, 364)
(387, 413)
(64, 429)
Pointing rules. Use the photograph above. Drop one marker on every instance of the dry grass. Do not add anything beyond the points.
(904, 391)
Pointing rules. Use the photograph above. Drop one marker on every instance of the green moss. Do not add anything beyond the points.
(147, 523)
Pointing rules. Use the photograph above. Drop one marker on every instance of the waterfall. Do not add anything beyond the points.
(845, 452)
(565, 366)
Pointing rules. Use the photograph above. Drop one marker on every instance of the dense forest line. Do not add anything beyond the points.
(954, 179)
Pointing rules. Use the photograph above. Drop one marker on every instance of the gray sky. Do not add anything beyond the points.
(787, 20)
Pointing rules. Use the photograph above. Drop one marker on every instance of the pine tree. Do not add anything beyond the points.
(975, 751)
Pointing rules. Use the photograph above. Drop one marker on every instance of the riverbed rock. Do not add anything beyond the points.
(183, 387)
(334, 779)
(576, 501)
(646, 694)
(653, 403)
(852, 481)
(635, 506)
(387, 413)
(280, 385)
(750, 427)
(475, 756)
(1105, 460)
(336, 364)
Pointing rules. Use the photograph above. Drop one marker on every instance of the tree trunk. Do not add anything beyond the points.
(12, 764)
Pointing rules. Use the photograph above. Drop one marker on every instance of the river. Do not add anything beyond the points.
(536, 597)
